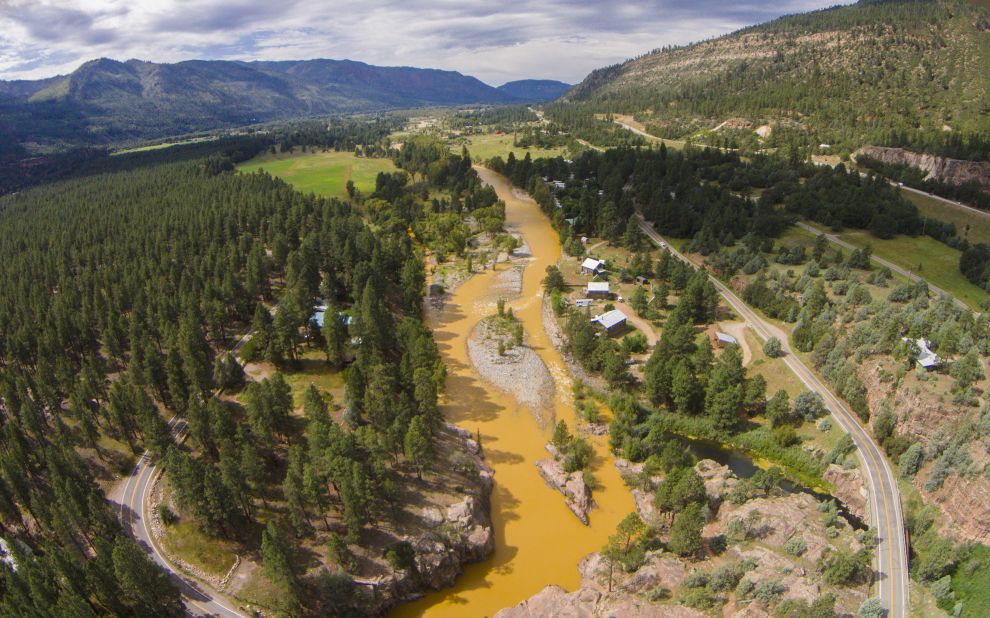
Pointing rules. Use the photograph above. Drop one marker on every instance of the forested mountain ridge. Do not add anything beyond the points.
(106, 101)
(535, 89)
(907, 74)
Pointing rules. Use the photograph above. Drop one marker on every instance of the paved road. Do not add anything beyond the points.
(640, 132)
(832, 238)
(131, 502)
(953, 203)
(886, 516)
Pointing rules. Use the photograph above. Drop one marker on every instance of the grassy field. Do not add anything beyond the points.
(194, 140)
(938, 263)
(484, 147)
(322, 173)
(979, 226)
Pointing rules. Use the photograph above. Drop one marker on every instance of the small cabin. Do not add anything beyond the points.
(598, 289)
(613, 321)
(591, 266)
(640, 280)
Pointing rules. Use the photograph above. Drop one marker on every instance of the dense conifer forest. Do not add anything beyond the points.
(126, 290)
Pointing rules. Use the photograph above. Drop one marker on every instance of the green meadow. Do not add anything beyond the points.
(322, 173)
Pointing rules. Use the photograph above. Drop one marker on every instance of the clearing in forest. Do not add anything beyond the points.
(322, 173)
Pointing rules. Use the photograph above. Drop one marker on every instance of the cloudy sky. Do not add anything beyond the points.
(495, 40)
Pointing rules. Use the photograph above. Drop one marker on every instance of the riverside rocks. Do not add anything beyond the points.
(849, 489)
(448, 537)
(767, 524)
(576, 492)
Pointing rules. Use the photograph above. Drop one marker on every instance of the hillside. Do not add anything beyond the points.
(105, 101)
(535, 90)
(891, 73)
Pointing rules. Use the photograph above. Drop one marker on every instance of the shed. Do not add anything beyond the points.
(642, 280)
(597, 289)
(724, 339)
(612, 321)
(591, 266)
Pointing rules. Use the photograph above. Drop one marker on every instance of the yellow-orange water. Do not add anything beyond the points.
(538, 541)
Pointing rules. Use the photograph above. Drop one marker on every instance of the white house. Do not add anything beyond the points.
(559, 184)
(612, 321)
(597, 289)
(591, 266)
(926, 358)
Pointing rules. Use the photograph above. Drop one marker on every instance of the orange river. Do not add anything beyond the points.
(538, 541)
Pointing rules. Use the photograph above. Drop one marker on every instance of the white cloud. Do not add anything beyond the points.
(510, 39)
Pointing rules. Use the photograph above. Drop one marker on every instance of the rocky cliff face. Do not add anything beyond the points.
(950, 171)
(933, 418)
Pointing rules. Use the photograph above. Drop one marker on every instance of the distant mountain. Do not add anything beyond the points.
(897, 72)
(106, 101)
(535, 90)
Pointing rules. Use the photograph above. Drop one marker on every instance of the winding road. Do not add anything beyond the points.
(130, 500)
(886, 516)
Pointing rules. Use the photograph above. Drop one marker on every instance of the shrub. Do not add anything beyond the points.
(696, 579)
(795, 546)
(725, 577)
(578, 455)
(658, 594)
(769, 591)
(772, 347)
(910, 462)
(745, 587)
(165, 514)
(871, 608)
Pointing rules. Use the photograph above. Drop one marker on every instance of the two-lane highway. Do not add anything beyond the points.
(886, 516)
(131, 501)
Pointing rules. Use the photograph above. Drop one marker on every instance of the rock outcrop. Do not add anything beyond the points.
(965, 504)
(576, 492)
(951, 171)
(447, 537)
(849, 489)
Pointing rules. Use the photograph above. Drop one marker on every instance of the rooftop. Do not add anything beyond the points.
(592, 264)
(610, 318)
(598, 286)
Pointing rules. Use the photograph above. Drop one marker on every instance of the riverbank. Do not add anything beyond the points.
(538, 541)
(776, 542)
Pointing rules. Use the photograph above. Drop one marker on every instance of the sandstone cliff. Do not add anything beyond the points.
(950, 171)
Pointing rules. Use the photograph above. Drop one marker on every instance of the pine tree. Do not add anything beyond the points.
(418, 444)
